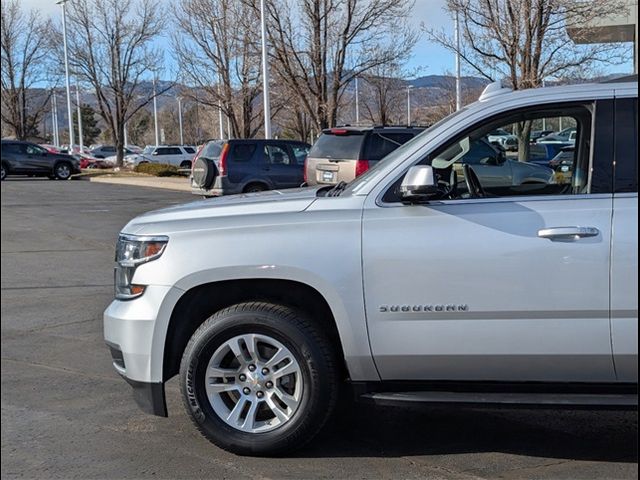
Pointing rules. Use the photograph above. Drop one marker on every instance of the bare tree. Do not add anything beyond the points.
(384, 89)
(25, 58)
(217, 47)
(110, 43)
(319, 46)
(526, 41)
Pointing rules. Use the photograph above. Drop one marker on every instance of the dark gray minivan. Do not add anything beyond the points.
(225, 167)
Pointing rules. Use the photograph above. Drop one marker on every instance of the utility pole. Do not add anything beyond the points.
(265, 72)
(458, 83)
(66, 71)
(221, 128)
(155, 112)
(80, 140)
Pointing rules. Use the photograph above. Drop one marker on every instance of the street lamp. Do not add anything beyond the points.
(155, 112)
(80, 141)
(357, 103)
(265, 72)
(458, 83)
(66, 70)
(180, 119)
(409, 87)
(54, 118)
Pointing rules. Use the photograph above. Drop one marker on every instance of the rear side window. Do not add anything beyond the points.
(381, 144)
(189, 150)
(242, 152)
(11, 148)
(211, 150)
(343, 147)
(626, 145)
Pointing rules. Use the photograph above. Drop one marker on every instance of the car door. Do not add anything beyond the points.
(280, 166)
(467, 289)
(624, 254)
(36, 159)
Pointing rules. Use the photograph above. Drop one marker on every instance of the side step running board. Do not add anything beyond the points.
(551, 400)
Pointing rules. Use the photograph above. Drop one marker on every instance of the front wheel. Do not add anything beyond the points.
(259, 379)
(3, 175)
(62, 171)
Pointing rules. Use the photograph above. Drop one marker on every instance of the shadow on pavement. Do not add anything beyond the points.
(369, 431)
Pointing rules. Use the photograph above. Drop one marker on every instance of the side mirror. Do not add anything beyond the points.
(155, 153)
(418, 184)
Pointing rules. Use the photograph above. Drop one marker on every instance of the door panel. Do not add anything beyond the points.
(467, 290)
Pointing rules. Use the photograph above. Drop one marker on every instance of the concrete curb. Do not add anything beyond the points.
(168, 183)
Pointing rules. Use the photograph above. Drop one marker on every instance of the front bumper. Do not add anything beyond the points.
(130, 328)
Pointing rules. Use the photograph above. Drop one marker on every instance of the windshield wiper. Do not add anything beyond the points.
(337, 190)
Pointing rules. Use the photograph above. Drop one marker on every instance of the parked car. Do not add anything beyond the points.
(506, 140)
(563, 161)
(243, 166)
(543, 153)
(26, 158)
(177, 155)
(344, 153)
(87, 161)
(493, 168)
(536, 134)
(397, 288)
(564, 136)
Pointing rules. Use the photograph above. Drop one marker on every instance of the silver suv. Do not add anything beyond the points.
(417, 282)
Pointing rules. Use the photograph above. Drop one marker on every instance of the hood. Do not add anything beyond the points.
(269, 202)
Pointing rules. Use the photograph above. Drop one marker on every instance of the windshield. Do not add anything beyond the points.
(399, 153)
(148, 150)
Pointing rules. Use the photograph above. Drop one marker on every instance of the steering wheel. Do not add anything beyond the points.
(472, 181)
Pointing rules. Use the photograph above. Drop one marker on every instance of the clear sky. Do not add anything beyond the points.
(428, 57)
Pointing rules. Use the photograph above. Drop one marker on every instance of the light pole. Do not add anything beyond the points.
(80, 141)
(220, 127)
(458, 83)
(409, 87)
(357, 103)
(180, 119)
(54, 119)
(155, 112)
(66, 70)
(265, 72)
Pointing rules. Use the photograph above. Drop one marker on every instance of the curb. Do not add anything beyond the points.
(177, 184)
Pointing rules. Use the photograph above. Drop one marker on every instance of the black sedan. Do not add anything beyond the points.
(26, 158)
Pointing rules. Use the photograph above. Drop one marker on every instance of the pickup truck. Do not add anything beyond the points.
(413, 283)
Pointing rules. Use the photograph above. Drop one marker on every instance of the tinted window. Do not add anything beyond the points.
(300, 152)
(481, 153)
(626, 175)
(381, 144)
(242, 152)
(276, 155)
(163, 151)
(34, 149)
(12, 148)
(346, 147)
(108, 149)
(189, 150)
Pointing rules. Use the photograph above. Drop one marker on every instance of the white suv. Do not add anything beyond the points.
(419, 281)
(177, 155)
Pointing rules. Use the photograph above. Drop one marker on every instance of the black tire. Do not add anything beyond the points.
(62, 171)
(186, 164)
(5, 172)
(311, 349)
(255, 188)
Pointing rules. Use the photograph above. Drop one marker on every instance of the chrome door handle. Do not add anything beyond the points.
(568, 233)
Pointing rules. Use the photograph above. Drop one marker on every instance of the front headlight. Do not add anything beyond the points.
(132, 251)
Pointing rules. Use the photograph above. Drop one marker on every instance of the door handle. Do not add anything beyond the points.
(568, 233)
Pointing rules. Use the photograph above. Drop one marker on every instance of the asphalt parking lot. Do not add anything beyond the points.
(67, 414)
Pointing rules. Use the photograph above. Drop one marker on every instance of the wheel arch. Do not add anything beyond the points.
(200, 302)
